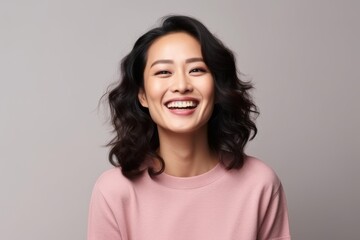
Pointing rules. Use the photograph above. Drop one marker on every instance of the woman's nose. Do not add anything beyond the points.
(181, 83)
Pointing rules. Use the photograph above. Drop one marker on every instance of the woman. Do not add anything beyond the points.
(182, 118)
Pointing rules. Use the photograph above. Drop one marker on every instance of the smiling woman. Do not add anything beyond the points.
(182, 118)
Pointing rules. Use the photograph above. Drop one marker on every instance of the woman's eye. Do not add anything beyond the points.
(162, 72)
(198, 70)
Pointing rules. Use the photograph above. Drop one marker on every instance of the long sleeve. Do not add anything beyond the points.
(102, 224)
(275, 224)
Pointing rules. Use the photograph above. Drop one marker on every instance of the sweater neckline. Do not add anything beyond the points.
(190, 182)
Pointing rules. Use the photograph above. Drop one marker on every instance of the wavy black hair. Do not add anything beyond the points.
(230, 127)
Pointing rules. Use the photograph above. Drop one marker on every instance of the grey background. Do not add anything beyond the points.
(58, 57)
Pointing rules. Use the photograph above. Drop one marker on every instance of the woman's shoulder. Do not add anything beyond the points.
(259, 166)
(112, 183)
(257, 172)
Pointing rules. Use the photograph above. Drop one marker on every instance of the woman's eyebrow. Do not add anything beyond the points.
(162, 61)
(191, 60)
(168, 61)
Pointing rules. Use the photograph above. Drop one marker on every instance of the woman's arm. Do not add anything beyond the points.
(102, 224)
(275, 225)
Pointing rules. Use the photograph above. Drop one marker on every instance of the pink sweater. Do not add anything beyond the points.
(245, 204)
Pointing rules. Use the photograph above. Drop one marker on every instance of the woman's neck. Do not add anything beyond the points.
(186, 155)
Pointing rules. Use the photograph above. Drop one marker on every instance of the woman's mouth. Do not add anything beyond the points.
(188, 104)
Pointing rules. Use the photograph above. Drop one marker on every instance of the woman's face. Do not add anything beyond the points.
(178, 86)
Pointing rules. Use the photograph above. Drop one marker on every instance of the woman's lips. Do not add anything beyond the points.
(181, 104)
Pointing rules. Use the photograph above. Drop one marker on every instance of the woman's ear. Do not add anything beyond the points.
(142, 98)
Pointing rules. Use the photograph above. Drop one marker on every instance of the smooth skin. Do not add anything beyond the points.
(176, 76)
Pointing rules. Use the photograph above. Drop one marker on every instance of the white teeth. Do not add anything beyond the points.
(181, 104)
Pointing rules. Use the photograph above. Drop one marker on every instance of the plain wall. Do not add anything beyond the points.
(58, 57)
